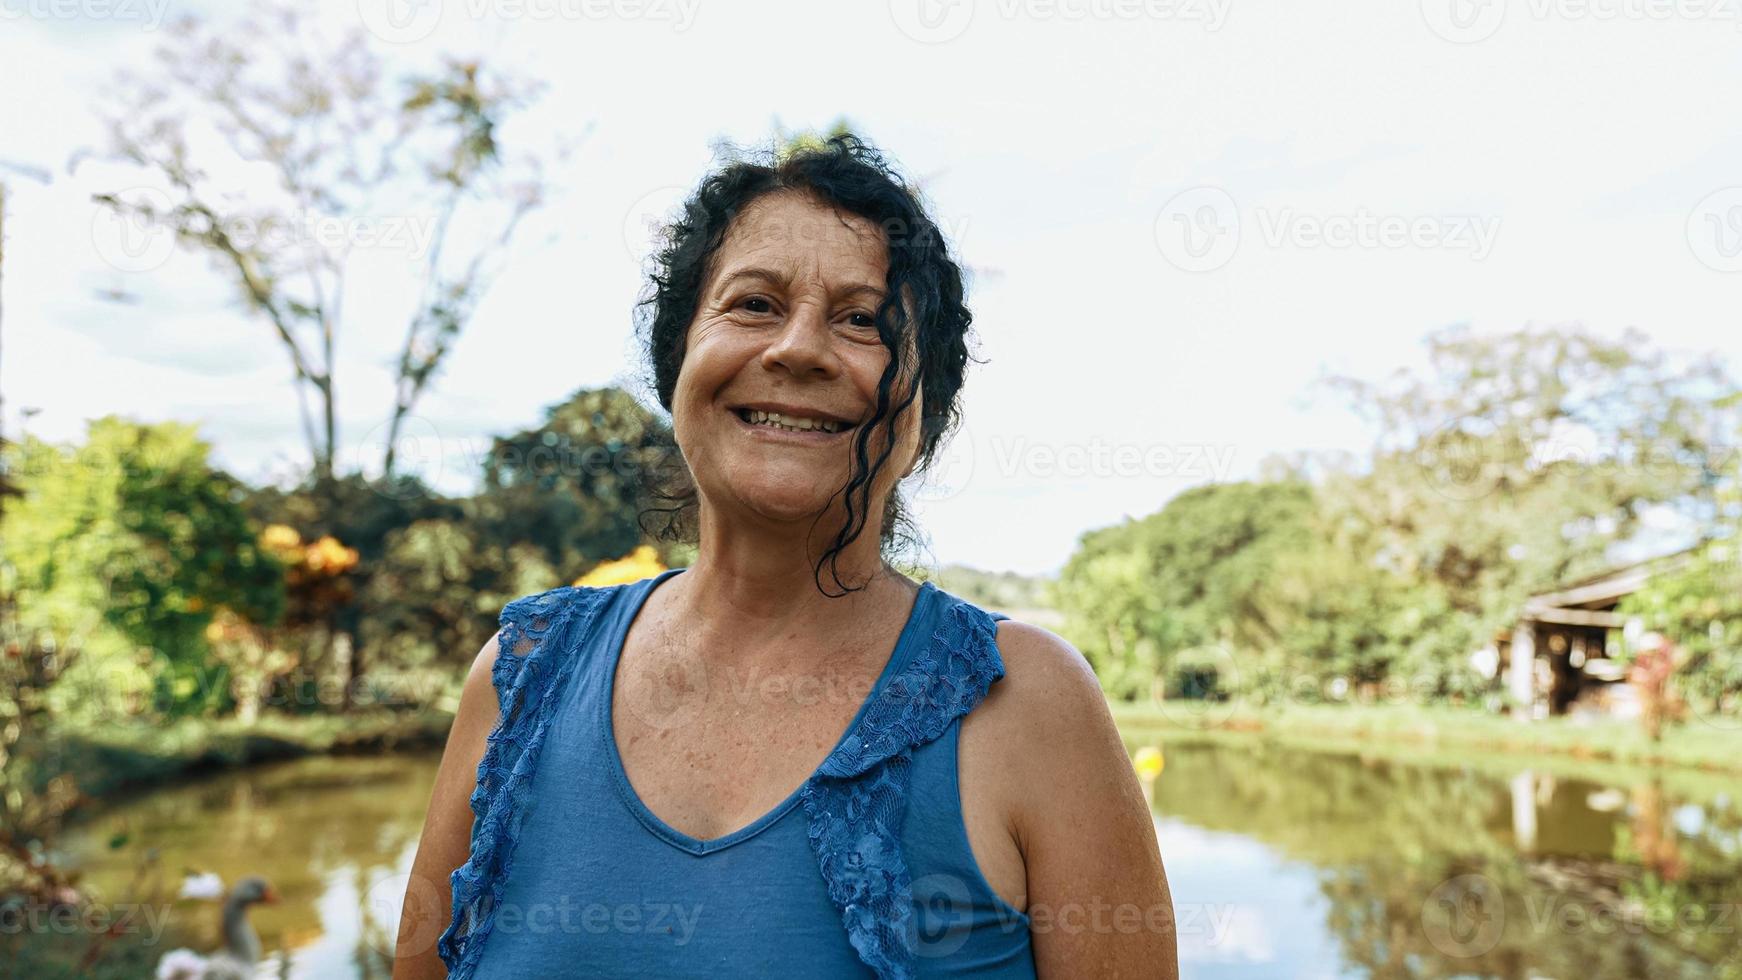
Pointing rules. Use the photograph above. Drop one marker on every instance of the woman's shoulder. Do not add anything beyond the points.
(1046, 680)
(1030, 663)
(1046, 717)
(1027, 667)
(525, 621)
(544, 627)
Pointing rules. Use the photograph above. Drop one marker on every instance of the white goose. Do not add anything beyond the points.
(241, 946)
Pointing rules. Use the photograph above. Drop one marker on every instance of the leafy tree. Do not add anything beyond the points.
(1519, 460)
(1188, 576)
(433, 597)
(1700, 607)
(1511, 463)
(642, 563)
(433, 572)
(575, 485)
(328, 608)
(416, 164)
(992, 590)
(131, 543)
(790, 141)
(1699, 603)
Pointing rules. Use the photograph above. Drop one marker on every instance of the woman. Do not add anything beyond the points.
(788, 759)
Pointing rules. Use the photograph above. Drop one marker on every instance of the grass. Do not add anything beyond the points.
(115, 760)
(53, 955)
(1707, 745)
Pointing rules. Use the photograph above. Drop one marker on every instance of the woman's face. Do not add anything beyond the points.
(786, 325)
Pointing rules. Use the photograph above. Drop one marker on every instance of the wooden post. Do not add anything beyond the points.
(1521, 675)
(1524, 810)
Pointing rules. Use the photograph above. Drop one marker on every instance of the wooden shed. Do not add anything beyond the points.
(1559, 649)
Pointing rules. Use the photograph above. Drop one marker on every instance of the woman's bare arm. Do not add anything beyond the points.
(1097, 893)
(447, 827)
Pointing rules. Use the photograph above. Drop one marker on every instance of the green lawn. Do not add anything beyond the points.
(1713, 745)
(112, 760)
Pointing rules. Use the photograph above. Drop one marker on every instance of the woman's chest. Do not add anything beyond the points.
(712, 743)
(594, 892)
(709, 747)
(600, 886)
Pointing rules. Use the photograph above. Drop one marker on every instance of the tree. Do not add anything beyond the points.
(1520, 460)
(790, 141)
(431, 572)
(433, 597)
(351, 158)
(1511, 463)
(575, 485)
(1699, 602)
(1188, 576)
(122, 550)
(326, 612)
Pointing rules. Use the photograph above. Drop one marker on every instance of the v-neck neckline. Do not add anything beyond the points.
(899, 657)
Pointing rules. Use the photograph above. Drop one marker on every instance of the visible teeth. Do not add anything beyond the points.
(794, 422)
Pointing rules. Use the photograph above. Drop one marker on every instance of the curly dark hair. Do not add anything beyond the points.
(850, 175)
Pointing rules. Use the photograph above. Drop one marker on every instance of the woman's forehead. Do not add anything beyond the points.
(793, 234)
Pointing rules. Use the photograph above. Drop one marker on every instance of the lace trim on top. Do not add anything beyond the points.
(535, 653)
(857, 801)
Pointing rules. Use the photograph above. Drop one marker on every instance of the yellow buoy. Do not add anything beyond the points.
(1148, 761)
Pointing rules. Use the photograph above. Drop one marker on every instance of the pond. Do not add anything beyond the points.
(1282, 861)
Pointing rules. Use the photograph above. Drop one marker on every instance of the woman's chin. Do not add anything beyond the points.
(783, 502)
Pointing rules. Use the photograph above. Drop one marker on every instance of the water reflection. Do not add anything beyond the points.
(1242, 910)
(1283, 862)
(1432, 871)
(335, 837)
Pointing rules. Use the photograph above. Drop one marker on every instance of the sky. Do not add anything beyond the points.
(1180, 216)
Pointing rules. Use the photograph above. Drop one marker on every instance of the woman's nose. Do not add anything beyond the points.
(804, 345)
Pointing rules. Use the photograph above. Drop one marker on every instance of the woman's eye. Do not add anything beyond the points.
(864, 320)
(758, 304)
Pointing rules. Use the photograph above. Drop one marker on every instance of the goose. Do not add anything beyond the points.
(241, 946)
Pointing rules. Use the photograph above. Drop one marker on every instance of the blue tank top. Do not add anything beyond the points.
(863, 871)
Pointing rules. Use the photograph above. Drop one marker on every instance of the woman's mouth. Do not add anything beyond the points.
(810, 426)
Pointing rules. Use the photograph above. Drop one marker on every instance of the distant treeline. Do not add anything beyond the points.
(1509, 464)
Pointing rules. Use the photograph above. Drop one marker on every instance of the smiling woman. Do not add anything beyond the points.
(825, 242)
(792, 758)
